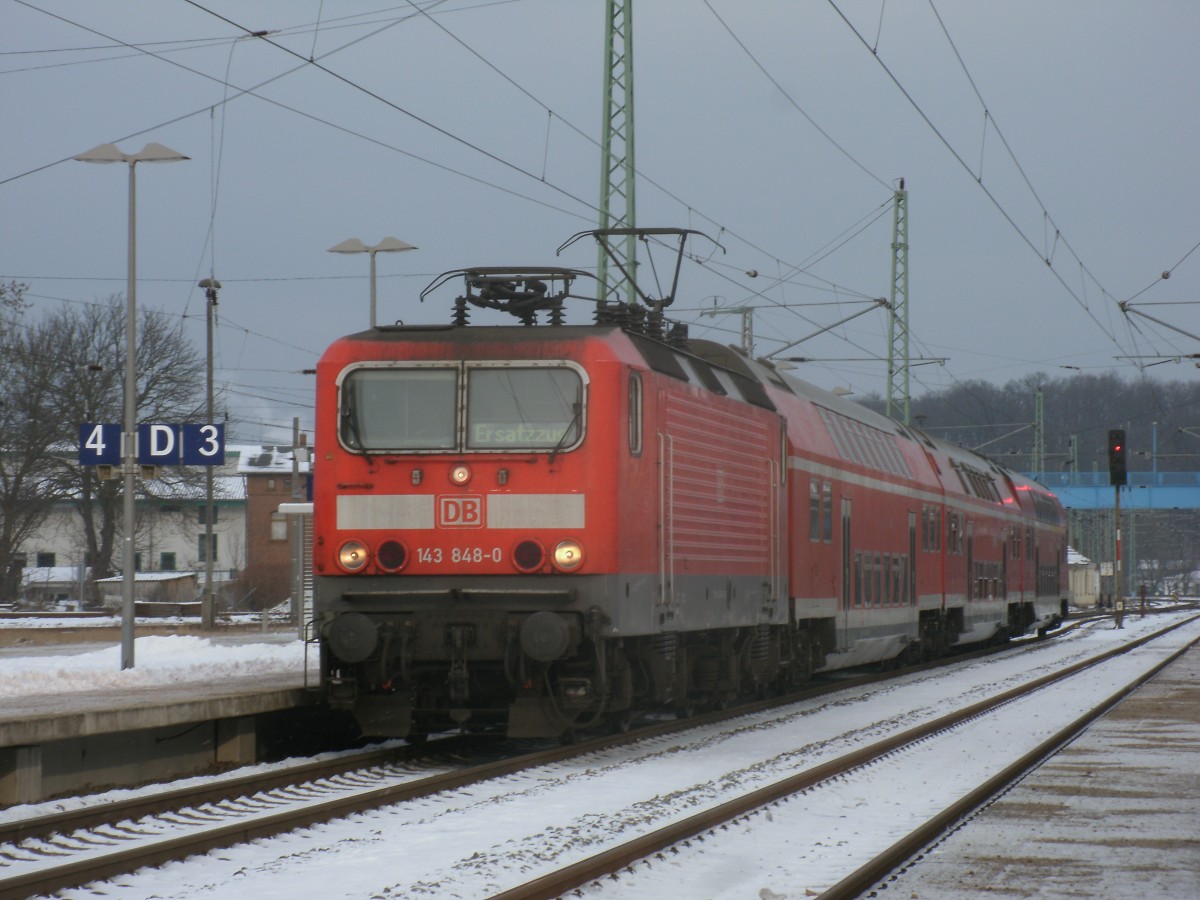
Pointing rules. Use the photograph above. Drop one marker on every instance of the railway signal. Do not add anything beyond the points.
(1116, 457)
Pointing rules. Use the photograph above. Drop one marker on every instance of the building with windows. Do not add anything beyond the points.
(251, 545)
(272, 476)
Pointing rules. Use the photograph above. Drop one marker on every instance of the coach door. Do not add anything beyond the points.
(847, 565)
(970, 561)
(912, 559)
(1004, 549)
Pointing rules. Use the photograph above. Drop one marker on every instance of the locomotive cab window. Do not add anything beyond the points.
(455, 407)
(527, 409)
(399, 409)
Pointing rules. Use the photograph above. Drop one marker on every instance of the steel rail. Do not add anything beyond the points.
(70, 874)
(878, 869)
(113, 811)
(613, 860)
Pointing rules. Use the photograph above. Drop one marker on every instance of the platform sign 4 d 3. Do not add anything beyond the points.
(157, 445)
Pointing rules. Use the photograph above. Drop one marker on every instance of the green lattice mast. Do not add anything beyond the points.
(898, 358)
(616, 154)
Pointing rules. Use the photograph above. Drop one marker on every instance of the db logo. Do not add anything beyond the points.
(460, 512)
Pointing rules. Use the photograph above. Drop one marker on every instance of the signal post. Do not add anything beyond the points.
(1117, 477)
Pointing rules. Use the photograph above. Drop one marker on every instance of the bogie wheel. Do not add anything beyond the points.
(685, 710)
(620, 722)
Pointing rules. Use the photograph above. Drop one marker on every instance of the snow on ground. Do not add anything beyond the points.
(472, 842)
(158, 660)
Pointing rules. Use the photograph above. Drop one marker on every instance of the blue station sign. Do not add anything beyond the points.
(99, 445)
(157, 445)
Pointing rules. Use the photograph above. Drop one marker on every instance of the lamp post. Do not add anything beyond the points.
(208, 606)
(387, 245)
(109, 153)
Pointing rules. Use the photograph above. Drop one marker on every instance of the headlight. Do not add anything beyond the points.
(568, 555)
(353, 556)
(460, 474)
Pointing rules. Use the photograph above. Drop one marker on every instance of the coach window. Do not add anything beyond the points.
(635, 413)
(524, 408)
(827, 512)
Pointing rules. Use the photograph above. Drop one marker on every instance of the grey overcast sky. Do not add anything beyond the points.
(1050, 149)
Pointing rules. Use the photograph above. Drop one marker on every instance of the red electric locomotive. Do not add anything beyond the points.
(547, 527)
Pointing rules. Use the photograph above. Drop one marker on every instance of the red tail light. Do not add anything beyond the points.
(529, 556)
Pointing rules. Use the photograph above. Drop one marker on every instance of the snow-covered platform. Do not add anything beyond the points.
(71, 719)
(41, 718)
(1114, 814)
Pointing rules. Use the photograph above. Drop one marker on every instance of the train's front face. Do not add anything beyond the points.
(453, 557)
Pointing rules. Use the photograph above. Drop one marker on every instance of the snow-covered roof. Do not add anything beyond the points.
(225, 488)
(269, 459)
(1075, 558)
(148, 577)
(50, 575)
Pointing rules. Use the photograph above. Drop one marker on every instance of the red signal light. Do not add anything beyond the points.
(1116, 457)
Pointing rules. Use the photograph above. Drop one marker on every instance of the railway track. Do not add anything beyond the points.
(73, 848)
(648, 847)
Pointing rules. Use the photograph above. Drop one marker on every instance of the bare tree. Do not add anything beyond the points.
(27, 434)
(82, 375)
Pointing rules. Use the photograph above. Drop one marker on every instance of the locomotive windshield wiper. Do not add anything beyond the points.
(351, 419)
(571, 426)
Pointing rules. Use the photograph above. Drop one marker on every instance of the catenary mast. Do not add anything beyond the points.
(616, 154)
(898, 358)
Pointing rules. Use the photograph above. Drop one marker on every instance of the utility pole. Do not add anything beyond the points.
(1118, 594)
(1039, 436)
(296, 530)
(747, 314)
(1117, 477)
(616, 154)
(898, 353)
(208, 606)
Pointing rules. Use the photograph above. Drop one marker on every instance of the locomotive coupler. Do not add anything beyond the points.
(458, 637)
(342, 691)
(576, 689)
